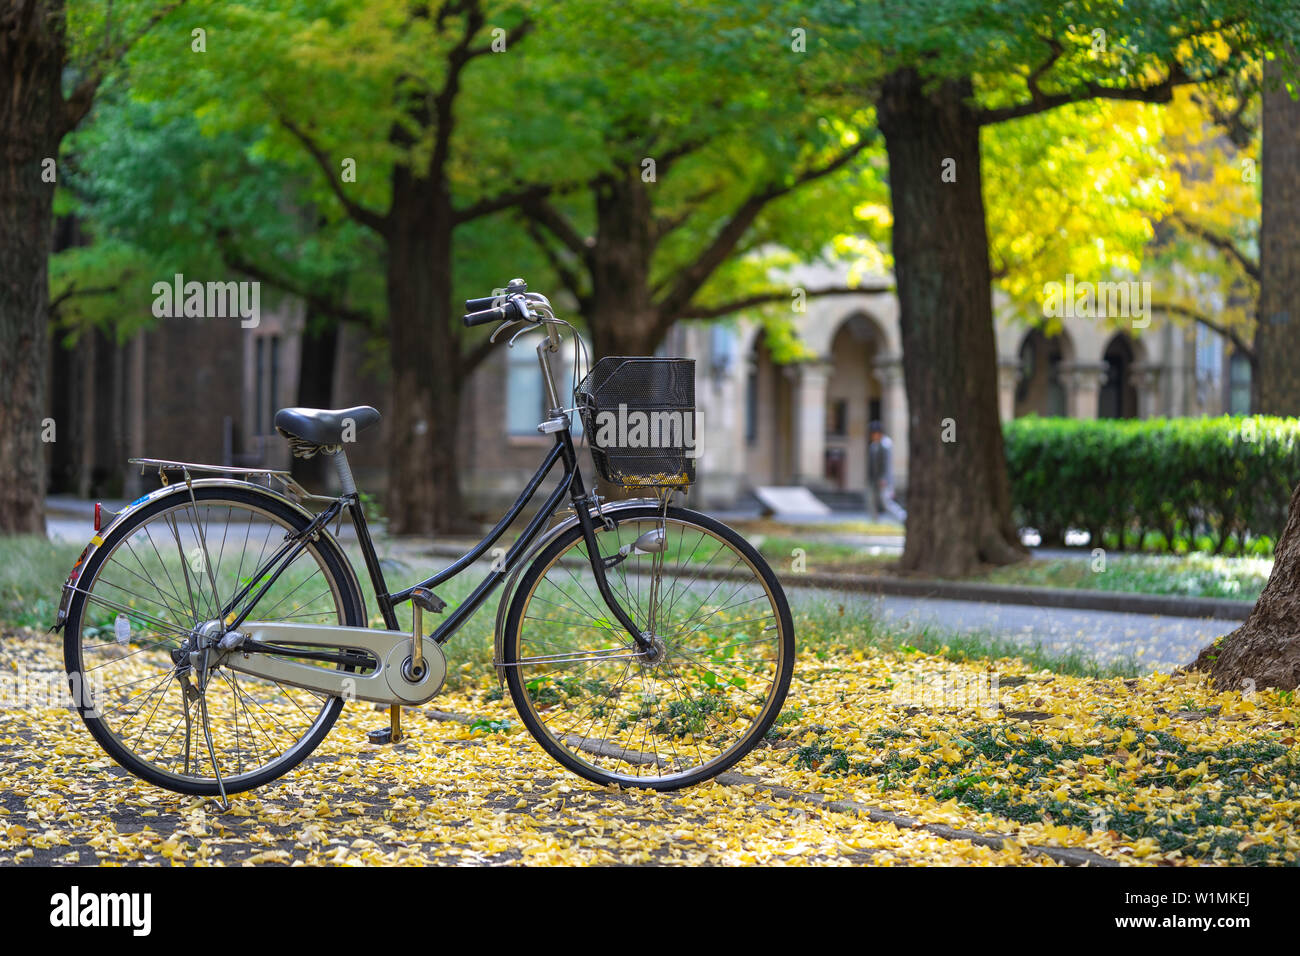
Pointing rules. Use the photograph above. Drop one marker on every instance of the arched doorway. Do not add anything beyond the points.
(1039, 389)
(1118, 397)
(853, 400)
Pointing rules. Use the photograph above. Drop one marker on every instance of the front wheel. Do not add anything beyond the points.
(681, 711)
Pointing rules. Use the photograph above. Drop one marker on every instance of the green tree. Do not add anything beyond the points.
(41, 43)
(385, 101)
(938, 74)
(701, 161)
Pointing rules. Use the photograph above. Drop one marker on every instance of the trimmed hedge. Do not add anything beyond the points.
(1160, 484)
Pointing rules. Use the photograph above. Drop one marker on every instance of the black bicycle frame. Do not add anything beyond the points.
(571, 483)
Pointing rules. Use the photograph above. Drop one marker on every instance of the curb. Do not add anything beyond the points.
(1078, 599)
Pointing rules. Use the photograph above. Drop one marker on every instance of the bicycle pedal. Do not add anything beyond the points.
(428, 601)
(392, 734)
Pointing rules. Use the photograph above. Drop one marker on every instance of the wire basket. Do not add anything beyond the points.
(639, 417)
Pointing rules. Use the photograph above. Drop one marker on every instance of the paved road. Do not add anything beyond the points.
(1154, 642)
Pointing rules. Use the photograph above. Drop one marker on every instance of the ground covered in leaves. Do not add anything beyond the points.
(1153, 770)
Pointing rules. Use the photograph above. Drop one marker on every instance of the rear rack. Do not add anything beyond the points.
(286, 480)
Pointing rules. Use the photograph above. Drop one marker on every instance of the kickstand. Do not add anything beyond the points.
(189, 695)
(224, 803)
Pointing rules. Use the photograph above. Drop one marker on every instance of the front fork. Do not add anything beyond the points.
(580, 507)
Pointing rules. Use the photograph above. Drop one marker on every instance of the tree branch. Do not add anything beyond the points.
(359, 213)
(82, 97)
(1234, 123)
(315, 300)
(1222, 243)
(513, 35)
(1231, 335)
(505, 200)
(761, 298)
(72, 292)
(724, 242)
(1040, 102)
(557, 224)
(567, 276)
(473, 357)
(663, 225)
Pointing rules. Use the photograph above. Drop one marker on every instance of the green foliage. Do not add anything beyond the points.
(160, 197)
(1154, 482)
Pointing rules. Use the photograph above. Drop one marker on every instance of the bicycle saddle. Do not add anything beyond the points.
(323, 426)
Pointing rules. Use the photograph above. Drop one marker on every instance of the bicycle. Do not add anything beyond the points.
(643, 644)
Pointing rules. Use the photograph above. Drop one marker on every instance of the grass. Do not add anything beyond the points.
(770, 526)
(1193, 575)
(32, 572)
(33, 569)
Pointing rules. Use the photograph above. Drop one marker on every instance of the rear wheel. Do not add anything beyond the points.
(158, 583)
(687, 708)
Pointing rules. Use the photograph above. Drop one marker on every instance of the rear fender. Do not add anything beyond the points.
(99, 537)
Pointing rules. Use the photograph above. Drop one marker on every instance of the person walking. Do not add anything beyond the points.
(880, 474)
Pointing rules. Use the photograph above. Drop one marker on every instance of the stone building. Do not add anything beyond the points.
(206, 390)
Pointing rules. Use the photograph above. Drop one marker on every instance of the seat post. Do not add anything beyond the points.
(347, 485)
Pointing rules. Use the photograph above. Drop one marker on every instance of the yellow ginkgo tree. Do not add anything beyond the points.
(1205, 259)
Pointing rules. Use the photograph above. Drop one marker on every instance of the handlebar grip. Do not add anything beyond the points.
(479, 305)
(505, 313)
(485, 316)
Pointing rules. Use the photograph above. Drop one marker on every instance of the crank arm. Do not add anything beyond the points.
(386, 684)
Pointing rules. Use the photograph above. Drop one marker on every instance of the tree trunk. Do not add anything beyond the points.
(318, 353)
(1265, 650)
(423, 477)
(32, 53)
(1277, 338)
(621, 312)
(958, 497)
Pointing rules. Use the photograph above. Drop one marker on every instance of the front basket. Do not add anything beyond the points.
(639, 416)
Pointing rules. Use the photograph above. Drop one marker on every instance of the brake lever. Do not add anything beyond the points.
(511, 343)
(505, 325)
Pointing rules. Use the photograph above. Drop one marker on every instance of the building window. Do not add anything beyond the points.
(837, 422)
(525, 395)
(267, 383)
(1209, 357)
(1238, 385)
(526, 392)
(722, 349)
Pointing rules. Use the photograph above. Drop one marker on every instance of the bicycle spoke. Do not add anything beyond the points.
(691, 701)
(151, 710)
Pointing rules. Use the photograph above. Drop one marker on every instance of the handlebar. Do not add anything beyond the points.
(514, 304)
(509, 312)
(508, 305)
